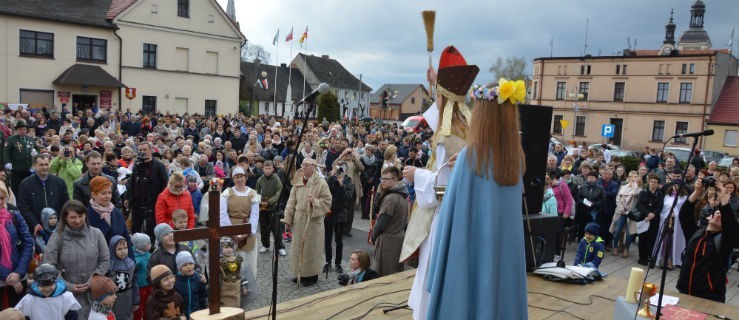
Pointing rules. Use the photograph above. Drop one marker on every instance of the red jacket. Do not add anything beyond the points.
(167, 202)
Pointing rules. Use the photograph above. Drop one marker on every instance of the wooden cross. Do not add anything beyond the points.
(213, 233)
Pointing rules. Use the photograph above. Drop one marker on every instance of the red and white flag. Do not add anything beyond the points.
(289, 36)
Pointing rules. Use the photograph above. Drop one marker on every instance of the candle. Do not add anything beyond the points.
(635, 280)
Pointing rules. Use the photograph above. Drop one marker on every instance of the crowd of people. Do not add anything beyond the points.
(608, 208)
(122, 183)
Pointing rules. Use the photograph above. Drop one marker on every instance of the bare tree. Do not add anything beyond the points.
(513, 68)
(249, 53)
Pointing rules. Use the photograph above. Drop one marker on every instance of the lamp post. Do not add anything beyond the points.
(577, 98)
(254, 94)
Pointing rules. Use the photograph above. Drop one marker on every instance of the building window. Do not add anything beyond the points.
(561, 87)
(92, 49)
(584, 89)
(692, 68)
(618, 91)
(183, 8)
(149, 104)
(150, 55)
(33, 43)
(730, 138)
(663, 91)
(413, 100)
(684, 70)
(582, 69)
(623, 69)
(618, 68)
(680, 128)
(580, 126)
(557, 128)
(658, 130)
(686, 92)
(536, 88)
(588, 72)
(210, 108)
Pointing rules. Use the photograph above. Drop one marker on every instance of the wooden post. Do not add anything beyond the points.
(213, 233)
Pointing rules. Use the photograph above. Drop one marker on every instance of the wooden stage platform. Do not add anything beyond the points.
(546, 299)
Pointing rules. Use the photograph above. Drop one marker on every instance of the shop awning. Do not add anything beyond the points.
(87, 75)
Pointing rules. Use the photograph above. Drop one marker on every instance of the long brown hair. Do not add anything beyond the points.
(494, 142)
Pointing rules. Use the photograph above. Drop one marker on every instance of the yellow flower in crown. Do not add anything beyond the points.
(506, 89)
(519, 92)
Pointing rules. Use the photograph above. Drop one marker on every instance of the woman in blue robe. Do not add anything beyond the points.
(478, 268)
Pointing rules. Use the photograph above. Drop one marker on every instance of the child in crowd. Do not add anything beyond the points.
(232, 287)
(48, 297)
(195, 194)
(122, 269)
(142, 248)
(179, 219)
(48, 221)
(187, 284)
(164, 302)
(591, 249)
(103, 293)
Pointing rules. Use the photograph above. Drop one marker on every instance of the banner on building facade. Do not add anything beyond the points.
(130, 93)
(106, 99)
(63, 96)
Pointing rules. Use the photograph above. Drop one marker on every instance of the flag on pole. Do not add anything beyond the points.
(304, 36)
(731, 41)
(289, 35)
(277, 35)
(263, 83)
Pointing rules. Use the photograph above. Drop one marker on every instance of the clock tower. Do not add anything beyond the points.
(668, 45)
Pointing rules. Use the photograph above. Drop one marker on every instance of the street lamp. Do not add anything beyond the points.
(254, 94)
(577, 98)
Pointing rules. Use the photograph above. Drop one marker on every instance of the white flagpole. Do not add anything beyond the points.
(288, 94)
(305, 64)
(274, 85)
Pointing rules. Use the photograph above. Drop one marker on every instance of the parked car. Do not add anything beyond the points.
(367, 119)
(621, 153)
(726, 161)
(682, 154)
(599, 146)
(714, 155)
(414, 124)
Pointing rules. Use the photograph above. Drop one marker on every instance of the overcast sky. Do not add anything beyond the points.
(385, 39)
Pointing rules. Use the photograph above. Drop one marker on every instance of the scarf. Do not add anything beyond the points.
(370, 159)
(104, 212)
(5, 218)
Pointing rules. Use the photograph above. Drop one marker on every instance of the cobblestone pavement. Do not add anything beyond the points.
(286, 290)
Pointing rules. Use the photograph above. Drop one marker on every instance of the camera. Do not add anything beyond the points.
(67, 153)
(709, 181)
(343, 279)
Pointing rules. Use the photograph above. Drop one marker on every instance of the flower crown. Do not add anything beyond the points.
(513, 91)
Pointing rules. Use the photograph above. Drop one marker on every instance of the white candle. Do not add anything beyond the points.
(635, 280)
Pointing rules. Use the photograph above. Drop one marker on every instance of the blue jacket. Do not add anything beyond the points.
(590, 252)
(196, 196)
(193, 292)
(117, 226)
(142, 268)
(21, 254)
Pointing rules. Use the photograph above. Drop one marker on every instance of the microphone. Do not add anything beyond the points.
(708, 132)
(322, 88)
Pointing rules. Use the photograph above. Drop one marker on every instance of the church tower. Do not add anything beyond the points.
(231, 10)
(668, 45)
(695, 37)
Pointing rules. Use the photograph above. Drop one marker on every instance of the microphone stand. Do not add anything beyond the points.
(275, 217)
(667, 228)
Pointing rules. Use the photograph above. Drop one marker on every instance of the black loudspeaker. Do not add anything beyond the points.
(536, 124)
(544, 230)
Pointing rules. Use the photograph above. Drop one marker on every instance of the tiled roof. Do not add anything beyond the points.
(250, 72)
(726, 110)
(81, 12)
(118, 6)
(333, 73)
(404, 91)
(87, 75)
(680, 52)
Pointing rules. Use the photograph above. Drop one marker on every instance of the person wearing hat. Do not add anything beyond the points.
(167, 249)
(590, 198)
(18, 153)
(188, 285)
(308, 203)
(240, 204)
(48, 297)
(591, 249)
(450, 117)
(103, 293)
(164, 302)
(141, 248)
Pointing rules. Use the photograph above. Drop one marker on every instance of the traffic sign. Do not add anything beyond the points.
(564, 123)
(607, 130)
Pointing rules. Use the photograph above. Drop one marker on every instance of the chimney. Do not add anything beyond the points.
(325, 56)
(283, 65)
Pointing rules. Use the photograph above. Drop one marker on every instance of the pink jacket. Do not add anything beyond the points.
(564, 198)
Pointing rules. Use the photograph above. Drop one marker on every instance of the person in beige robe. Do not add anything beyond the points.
(309, 201)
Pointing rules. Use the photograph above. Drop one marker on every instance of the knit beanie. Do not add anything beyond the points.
(159, 272)
(140, 240)
(101, 287)
(592, 228)
(184, 257)
(161, 230)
